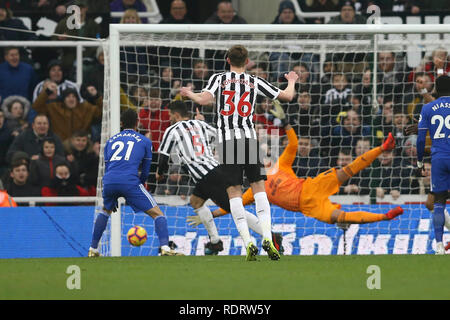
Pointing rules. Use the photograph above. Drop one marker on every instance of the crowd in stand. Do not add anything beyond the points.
(50, 126)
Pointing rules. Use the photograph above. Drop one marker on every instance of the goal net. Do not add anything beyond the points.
(356, 84)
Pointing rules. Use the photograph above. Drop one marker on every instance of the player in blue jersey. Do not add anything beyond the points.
(435, 117)
(125, 153)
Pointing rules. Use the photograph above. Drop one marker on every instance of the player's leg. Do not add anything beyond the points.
(110, 197)
(440, 199)
(365, 160)
(440, 182)
(140, 199)
(206, 217)
(361, 217)
(238, 213)
(99, 227)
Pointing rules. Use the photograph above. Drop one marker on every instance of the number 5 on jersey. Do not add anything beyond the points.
(240, 107)
(197, 143)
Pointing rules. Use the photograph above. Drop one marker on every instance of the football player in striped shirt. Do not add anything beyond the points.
(235, 94)
(192, 141)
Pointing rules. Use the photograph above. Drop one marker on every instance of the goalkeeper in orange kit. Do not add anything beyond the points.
(310, 196)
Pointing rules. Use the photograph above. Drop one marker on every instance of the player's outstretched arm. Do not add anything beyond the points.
(289, 93)
(202, 98)
(290, 152)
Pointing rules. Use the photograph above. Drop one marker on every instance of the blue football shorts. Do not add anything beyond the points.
(136, 196)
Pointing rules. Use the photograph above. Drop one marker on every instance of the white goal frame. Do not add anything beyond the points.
(113, 45)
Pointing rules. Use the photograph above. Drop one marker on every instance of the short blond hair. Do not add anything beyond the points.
(130, 13)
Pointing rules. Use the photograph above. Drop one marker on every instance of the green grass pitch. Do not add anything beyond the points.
(227, 278)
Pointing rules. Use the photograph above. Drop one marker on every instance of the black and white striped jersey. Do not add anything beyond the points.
(235, 95)
(192, 141)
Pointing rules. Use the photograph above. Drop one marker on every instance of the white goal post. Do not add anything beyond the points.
(411, 39)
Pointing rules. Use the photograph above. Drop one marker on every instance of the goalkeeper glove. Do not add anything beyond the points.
(419, 170)
(279, 113)
(193, 221)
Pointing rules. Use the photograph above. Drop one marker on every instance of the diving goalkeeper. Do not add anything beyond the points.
(310, 196)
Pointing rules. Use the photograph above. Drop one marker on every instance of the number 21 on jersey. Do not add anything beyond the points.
(119, 145)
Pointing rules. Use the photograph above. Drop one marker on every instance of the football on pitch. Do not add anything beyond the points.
(137, 236)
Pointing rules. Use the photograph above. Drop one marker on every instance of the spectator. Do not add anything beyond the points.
(280, 61)
(401, 120)
(225, 14)
(16, 77)
(407, 6)
(7, 21)
(363, 178)
(41, 169)
(6, 139)
(268, 121)
(131, 16)
(177, 183)
(133, 59)
(409, 153)
(286, 14)
(64, 185)
(350, 130)
(425, 182)
(200, 74)
(362, 95)
(387, 179)
(419, 94)
(319, 6)
(153, 120)
(178, 13)
(168, 85)
(439, 60)
(30, 141)
(335, 100)
(259, 70)
(76, 115)
(19, 184)
(307, 162)
(347, 15)
(93, 76)
(351, 186)
(15, 110)
(123, 5)
(303, 115)
(390, 77)
(326, 79)
(55, 74)
(384, 122)
(81, 155)
(88, 29)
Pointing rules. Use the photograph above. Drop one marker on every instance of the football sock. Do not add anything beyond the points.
(263, 213)
(238, 213)
(362, 162)
(359, 217)
(161, 230)
(438, 221)
(208, 221)
(253, 222)
(447, 219)
(99, 228)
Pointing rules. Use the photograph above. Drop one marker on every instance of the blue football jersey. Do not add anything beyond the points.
(435, 117)
(125, 153)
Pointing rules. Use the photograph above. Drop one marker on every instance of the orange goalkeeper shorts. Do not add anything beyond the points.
(314, 199)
